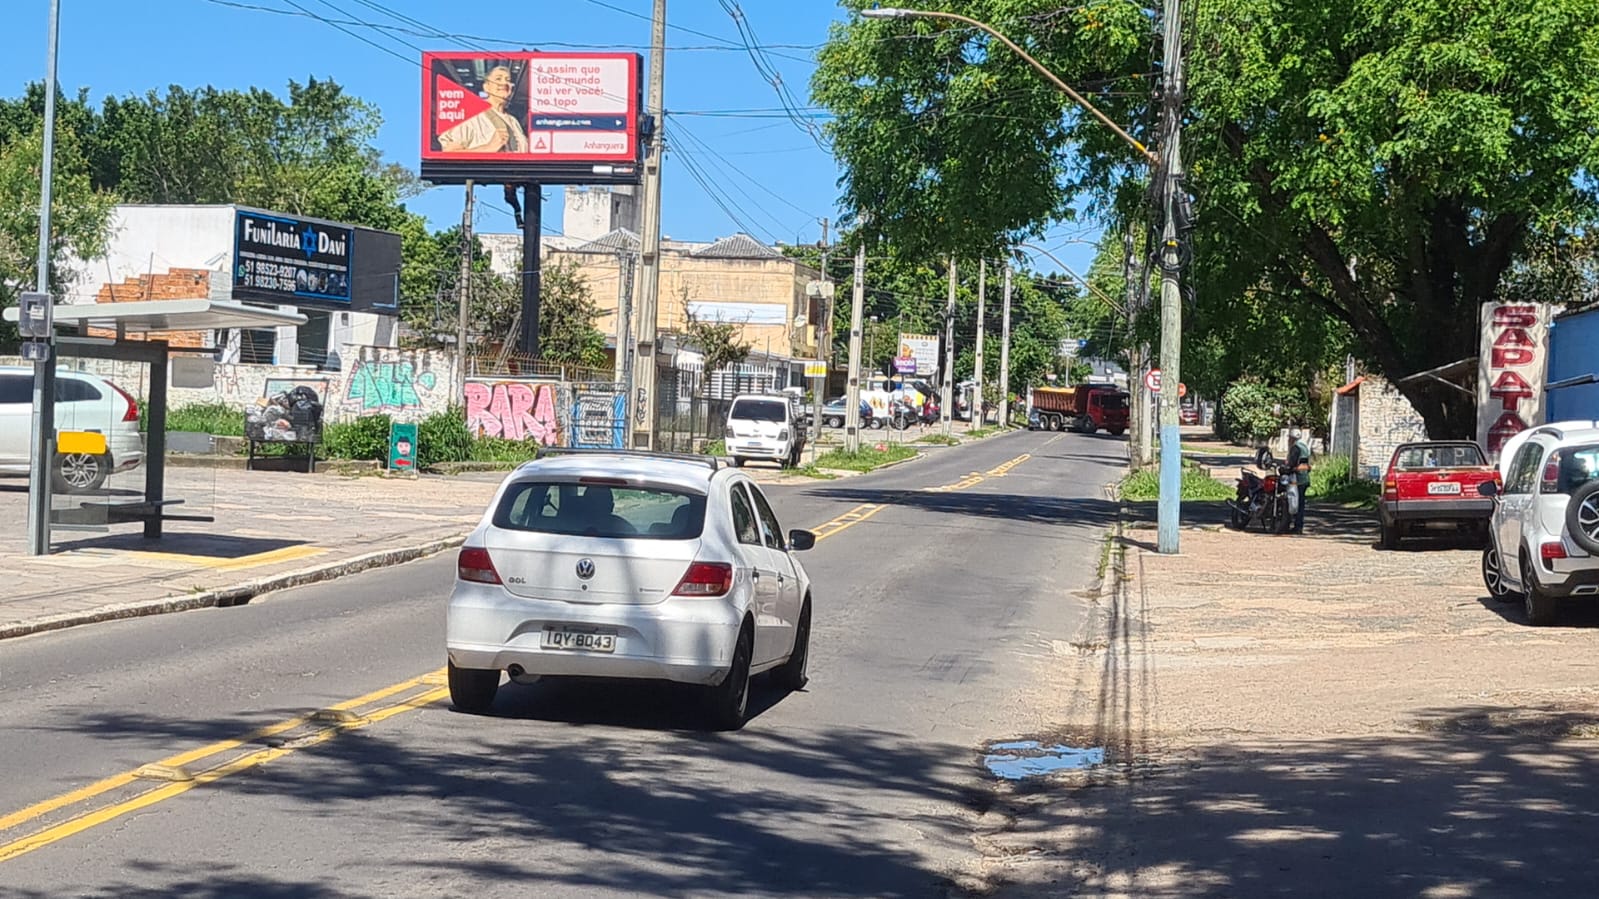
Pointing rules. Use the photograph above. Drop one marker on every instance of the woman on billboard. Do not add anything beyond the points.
(493, 130)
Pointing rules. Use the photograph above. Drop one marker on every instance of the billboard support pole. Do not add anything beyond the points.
(532, 224)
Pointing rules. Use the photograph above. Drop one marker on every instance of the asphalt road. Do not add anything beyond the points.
(935, 612)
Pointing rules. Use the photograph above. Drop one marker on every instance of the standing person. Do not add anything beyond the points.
(493, 130)
(1299, 464)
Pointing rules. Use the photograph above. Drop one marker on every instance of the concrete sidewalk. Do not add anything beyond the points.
(273, 530)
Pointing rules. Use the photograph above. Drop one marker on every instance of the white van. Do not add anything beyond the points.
(84, 403)
(763, 426)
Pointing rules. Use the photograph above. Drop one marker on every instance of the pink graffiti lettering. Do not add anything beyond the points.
(513, 410)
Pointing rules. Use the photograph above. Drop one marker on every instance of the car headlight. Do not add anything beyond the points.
(727, 433)
(783, 434)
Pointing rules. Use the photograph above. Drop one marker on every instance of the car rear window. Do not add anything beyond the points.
(1423, 457)
(1577, 465)
(598, 510)
(760, 410)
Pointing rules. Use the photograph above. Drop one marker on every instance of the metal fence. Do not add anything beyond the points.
(692, 413)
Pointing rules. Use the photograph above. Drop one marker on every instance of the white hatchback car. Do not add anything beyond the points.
(621, 564)
(84, 402)
(1545, 527)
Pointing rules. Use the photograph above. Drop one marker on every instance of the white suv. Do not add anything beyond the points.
(622, 564)
(764, 427)
(84, 403)
(1544, 545)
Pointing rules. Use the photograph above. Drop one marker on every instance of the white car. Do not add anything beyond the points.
(621, 564)
(84, 403)
(764, 427)
(1544, 545)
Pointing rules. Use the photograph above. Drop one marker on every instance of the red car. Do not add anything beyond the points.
(1434, 484)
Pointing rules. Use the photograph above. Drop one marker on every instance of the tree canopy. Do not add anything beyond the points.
(1365, 172)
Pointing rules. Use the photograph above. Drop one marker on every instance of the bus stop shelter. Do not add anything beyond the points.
(73, 324)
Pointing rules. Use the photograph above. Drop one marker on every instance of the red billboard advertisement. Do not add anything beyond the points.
(559, 118)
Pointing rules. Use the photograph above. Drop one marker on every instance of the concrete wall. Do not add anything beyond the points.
(408, 385)
(1386, 419)
(589, 213)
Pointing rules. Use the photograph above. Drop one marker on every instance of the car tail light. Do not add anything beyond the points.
(1390, 488)
(475, 565)
(1552, 550)
(1551, 474)
(705, 579)
(133, 405)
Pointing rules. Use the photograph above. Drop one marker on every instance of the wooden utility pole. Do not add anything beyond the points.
(1169, 512)
(1004, 356)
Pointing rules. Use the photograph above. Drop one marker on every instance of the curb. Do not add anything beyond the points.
(234, 595)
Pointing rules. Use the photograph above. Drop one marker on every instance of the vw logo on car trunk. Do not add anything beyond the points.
(585, 568)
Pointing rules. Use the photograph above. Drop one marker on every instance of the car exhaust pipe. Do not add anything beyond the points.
(519, 675)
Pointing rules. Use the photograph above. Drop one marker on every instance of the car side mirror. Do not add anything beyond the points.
(1489, 489)
(799, 540)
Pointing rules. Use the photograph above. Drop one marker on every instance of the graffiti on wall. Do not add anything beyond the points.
(515, 410)
(599, 417)
(387, 386)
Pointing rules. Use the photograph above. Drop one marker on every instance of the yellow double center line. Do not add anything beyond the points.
(977, 477)
(180, 773)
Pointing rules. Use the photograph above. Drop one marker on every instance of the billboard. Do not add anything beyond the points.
(553, 118)
(923, 349)
(279, 259)
(1510, 371)
(297, 261)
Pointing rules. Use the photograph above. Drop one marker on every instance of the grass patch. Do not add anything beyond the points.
(715, 448)
(1196, 485)
(811, 471)
(979, 433)
(203, 418)
(939, 439)
(866, 458)
(1333, 480)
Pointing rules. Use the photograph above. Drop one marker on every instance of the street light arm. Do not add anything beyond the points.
(1054, 79)
(1103, 297)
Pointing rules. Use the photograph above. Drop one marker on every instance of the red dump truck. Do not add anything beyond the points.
(1086, 408)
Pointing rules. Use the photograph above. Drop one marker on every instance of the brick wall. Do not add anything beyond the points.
(174, 284)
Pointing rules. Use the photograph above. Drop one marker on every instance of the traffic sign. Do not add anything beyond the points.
(905, 365)
(34, 318)
(1152, 380)
(815, 369)
(1182, 390)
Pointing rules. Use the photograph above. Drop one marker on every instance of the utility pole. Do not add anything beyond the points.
(1004, 356)
(463, 295)
(1137, 359)
(824, 332)
(624, 321)
(852, 397)
(1171, 303)
(977, 367)
(643, 402)
(44, 371)
(949, 354)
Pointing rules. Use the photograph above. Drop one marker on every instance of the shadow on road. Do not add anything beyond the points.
(1005, 506)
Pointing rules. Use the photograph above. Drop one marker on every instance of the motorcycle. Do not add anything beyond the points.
(1271, 500)
(902, 414)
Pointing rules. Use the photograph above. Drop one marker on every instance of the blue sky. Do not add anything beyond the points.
(766, 173)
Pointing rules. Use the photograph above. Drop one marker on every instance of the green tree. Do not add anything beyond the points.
(567, 313)
(1381, 164)
(78, 216)
(720, 343)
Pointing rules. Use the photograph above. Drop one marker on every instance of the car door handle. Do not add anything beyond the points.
(755, 574)
(780, 579)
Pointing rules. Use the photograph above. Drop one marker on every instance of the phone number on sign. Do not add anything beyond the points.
(268, 275)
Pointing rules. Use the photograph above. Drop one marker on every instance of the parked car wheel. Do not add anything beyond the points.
(738, 461)
(728, 702)
(471, 689)
(877, 423)
(1389, 535)
(791, 675)
(1582, 517)
(1541, 608)
(1493, 576)
(834, 422)
(80, 472)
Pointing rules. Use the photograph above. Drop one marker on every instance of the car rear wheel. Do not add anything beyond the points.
(1389, 535)
(1582, 517)
(728, 703)
(1493, 576)
(473, 689)
(1541, 608)
(1085, 425)
(791, 676)
(80, 472)
(738, 461)
(835, 422)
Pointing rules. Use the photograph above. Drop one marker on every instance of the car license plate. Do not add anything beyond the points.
(583, 641)
(1437, 488)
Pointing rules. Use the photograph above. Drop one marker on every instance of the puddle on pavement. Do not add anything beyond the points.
(1021, 759)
